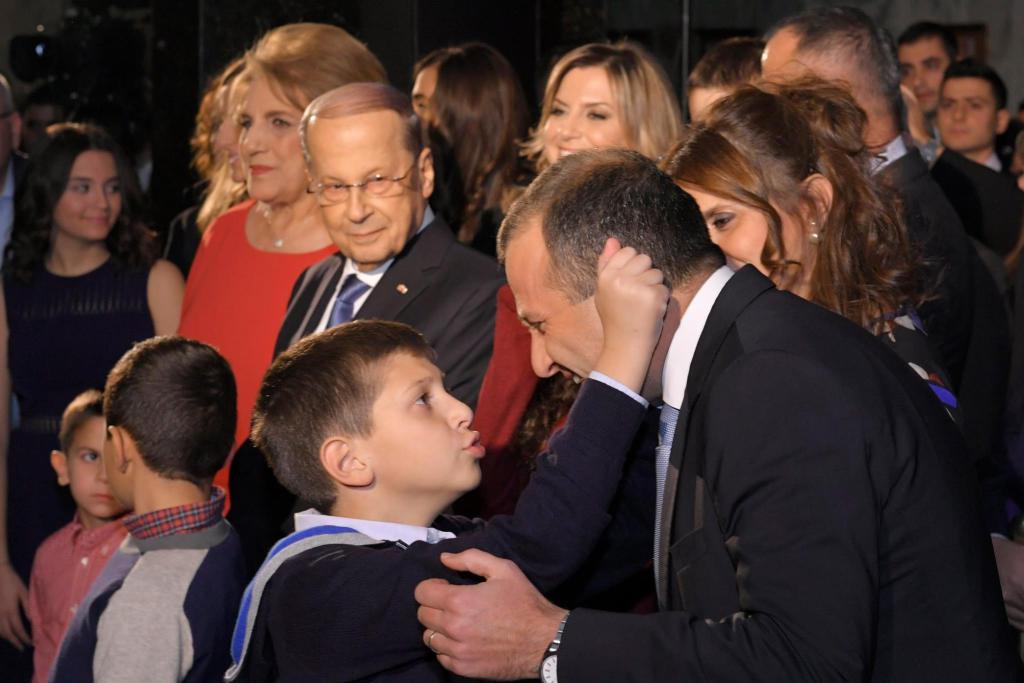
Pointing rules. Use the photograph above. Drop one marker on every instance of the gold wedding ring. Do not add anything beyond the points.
(430, 638)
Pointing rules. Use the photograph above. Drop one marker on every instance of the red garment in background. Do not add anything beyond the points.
(235, 300)
(507, 389)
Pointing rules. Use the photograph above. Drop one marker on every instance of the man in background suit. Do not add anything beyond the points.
(12, 162)
(964, 317)
(373, 177)
(818, 517)
(972, 112)
(395, 261)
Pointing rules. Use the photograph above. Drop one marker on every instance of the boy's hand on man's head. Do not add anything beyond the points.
(631, 299)
(13, 599)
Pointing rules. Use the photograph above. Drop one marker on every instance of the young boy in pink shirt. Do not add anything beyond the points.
(68, 562)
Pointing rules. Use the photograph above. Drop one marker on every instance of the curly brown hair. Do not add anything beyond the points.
(759, 146)
(220, 192)
(130, 242)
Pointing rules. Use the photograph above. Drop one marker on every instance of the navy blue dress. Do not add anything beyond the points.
(66, 333)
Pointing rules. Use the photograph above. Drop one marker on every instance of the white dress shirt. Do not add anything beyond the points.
(382, 531)
(684, 341)
(894, 150)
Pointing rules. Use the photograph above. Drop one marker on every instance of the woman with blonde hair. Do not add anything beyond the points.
(597, 96)
(215, 158)
(783, 179)
(605, 95)
(251, 255)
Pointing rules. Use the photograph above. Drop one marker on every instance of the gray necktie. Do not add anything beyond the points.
(666, 431)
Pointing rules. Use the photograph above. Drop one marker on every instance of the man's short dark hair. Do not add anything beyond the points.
(969, 68)
(732, 62)
(324, 386)
(176, 398)
(87, 404)
(929, 29)
(590, 196)
(848, 33)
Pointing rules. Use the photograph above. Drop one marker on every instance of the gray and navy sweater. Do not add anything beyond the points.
(162, 610)
(331, 604)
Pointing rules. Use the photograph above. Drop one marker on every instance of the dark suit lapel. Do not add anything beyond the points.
(683, 475)
(411, 273)
(905, 170)
(321, 292)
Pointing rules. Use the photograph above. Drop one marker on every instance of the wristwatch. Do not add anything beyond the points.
(549, 664)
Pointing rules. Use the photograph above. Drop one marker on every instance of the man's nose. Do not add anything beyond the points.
(543, 366)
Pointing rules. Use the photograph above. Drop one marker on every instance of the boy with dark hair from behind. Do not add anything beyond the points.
(68, 562)
(162, 609)
(724, 68)
(356, 420)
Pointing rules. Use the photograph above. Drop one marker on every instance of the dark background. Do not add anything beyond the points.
(144, 63)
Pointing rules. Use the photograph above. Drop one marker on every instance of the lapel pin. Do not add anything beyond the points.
(402, 289)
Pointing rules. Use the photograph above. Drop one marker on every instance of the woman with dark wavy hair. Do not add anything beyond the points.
(81, 284)
(472, 97)
(782, 178)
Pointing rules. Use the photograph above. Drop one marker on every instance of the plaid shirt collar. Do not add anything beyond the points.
(184, 519)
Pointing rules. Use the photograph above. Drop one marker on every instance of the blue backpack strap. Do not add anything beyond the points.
(285, 549)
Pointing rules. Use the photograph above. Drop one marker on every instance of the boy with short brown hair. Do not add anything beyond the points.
(68, 562)
(357, 420)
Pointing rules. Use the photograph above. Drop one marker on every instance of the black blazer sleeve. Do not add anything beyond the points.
(797, 505)
(365, 591)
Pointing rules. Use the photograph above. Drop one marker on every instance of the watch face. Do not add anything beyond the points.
(549, 670)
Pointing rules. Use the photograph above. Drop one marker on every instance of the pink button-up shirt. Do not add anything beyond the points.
(65, 567)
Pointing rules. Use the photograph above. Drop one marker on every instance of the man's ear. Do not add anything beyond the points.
(59, 462)
(1002, 120)
(120, 447)
(343, 465)
(425, 164)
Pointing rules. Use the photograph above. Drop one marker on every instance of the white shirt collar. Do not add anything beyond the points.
(373, 277)
(894, 150)
(994, 163)
(684, 341)
(382, 531)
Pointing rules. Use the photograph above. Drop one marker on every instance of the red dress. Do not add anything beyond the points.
(235, 300)
(505, 394)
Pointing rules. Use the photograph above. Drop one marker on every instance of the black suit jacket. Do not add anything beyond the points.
(966, 319)
(989, 203)
(821, 521)
(442, 288)
(445, 290)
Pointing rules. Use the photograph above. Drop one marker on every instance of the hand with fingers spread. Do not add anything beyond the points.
(631, 299)
(13, 600)
(498, 629)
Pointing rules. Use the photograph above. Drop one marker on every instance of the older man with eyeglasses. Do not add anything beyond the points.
(396, 260)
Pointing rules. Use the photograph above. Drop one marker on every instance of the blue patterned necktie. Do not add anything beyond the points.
(346, 301)
(667, 422)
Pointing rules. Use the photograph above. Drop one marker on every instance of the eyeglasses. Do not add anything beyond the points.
(376, 186)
